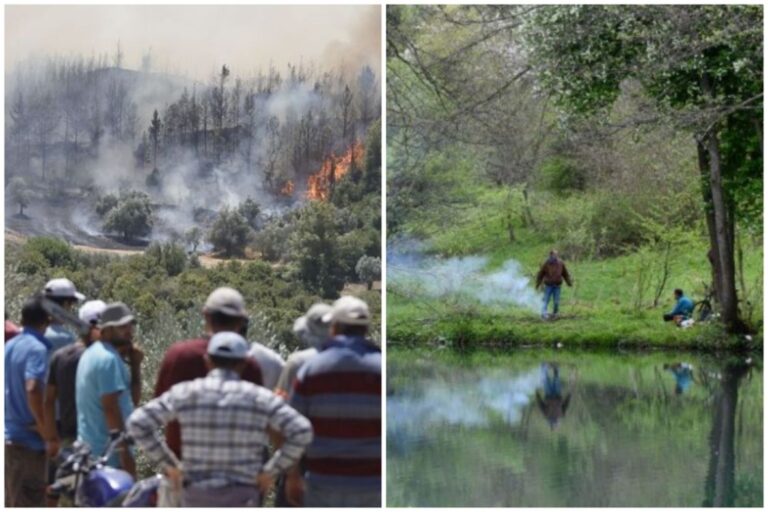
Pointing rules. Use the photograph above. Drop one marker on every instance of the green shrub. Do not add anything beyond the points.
(56, 253)
(615, 226)
(561, 176)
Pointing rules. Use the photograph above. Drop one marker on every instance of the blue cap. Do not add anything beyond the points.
(229, 345)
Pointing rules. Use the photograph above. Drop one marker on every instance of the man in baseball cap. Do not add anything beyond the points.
(348, 365)
(224, 311)
(224, 420)
(62, 291)
(61, 390)
(105, 389)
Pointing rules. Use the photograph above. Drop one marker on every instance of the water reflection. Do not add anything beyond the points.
(552, 405)
(612, 430)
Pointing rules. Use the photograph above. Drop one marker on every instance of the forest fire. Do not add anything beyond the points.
(287, 189)
(319, 185)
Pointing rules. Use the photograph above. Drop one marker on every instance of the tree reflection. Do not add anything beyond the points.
(720, 483)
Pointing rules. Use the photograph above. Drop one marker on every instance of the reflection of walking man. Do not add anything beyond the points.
(552, 274)
(552, 405)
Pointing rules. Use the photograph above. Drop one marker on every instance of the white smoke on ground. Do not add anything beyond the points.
(493, 397)
(457, 279)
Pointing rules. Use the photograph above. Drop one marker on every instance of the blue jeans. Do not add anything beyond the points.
(550, 291)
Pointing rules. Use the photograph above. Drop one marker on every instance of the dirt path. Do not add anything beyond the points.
(206, 260)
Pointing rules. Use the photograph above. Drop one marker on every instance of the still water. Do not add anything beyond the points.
(562, 429)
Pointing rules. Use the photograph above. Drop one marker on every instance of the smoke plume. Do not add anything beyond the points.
(457, 279)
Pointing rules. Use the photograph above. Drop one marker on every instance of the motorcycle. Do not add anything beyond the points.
(89, 482)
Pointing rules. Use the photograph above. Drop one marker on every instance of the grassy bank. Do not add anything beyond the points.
(610, 305)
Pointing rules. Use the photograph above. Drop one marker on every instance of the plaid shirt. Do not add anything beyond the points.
(224, 424)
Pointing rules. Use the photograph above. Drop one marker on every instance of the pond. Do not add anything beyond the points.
(565, 429)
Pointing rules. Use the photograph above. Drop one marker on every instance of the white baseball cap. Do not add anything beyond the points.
(348, 310)
(62, 288)
(226, 300)
(229, 345)
(91, 311)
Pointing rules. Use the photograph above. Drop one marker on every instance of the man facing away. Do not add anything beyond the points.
(683, 308)
(61, 389)
(339, 390)
(105, 388)
(312, 331)
(26, 364)
(63, 292)
(224, 310)
(552, 274)
(224, 423)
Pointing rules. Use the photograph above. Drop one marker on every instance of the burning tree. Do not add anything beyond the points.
(320, 185)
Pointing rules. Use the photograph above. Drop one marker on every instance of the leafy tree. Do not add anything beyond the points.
(193, 237)
(132, 217)
(169, 256)
(250, 210)
(20, 193)
(230, 233)
(368, 269)
(700, 65)
(105, 204)
(316, 250)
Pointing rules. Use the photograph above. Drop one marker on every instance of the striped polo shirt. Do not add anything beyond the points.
(339, 390)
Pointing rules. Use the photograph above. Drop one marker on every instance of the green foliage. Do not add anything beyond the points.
(54, 252)
(368, 269)
(230, 233)
(316, 250)
(273, 241)
(561, 176)
(250, 210)
(105, 204)
(614, 226)
(168, 256)
(193, 237)
(132, 216)
(372, 176)
(19, 193)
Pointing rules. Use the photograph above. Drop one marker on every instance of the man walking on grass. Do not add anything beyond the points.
(552, 274)
(224, 422)
(339, 390)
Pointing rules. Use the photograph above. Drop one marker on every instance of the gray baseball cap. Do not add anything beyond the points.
(115, 315)
(229, 345)
(348, 310)
(226, 300)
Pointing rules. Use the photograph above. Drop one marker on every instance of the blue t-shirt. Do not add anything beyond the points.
(100, 372)
(26, 358)
(683, 307)
(59, 337)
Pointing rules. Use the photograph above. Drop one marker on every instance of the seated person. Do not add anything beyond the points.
(683, 308)
(683, 373)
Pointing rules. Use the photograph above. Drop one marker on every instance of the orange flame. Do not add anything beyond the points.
(319, 184)
(287, 189)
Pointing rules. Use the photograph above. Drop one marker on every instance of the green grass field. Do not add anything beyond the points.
(610, 304)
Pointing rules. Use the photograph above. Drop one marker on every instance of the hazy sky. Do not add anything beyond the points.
(196, 40)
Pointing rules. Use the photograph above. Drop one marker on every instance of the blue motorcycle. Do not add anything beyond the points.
(89, 482)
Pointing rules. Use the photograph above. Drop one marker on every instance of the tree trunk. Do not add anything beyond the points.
(712, 255)
(724, 226)
(724, 239)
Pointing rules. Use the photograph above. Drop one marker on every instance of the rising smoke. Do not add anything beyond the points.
(458, 280)
(84, 124)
